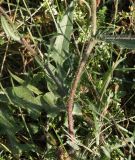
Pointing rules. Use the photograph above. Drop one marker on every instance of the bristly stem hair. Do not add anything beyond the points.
(79, 72)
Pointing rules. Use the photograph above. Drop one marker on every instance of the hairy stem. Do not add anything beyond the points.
(82, 64)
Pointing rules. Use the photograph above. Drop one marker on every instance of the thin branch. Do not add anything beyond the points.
(4, 58)
(79, 72)
(2, 11)
(93, 17)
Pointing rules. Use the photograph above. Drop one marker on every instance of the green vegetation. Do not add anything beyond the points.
(41, 44)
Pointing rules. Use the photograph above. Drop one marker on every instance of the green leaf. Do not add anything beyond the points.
(77, 110)
(122, 41)
(1, 41)
(10, 30)
(22, 97)
(108, 76)
(9, 128)
(106, 152)
(27, 85)
(49, 101)
(61, 46)
(6, 122)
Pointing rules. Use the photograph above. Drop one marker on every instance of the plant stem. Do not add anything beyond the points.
(80, 69)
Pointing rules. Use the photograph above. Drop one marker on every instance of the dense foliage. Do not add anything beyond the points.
(36, 77)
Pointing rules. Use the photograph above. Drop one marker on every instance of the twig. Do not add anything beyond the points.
(4, 59)
(79, 72)
(2, 11)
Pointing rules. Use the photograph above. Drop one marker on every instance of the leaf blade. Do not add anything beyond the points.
(10, 30)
